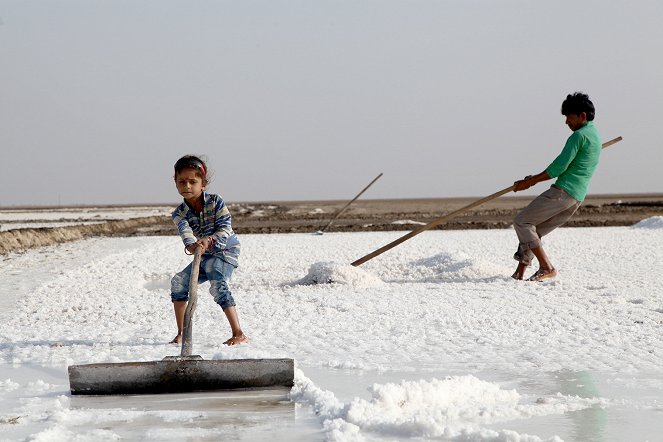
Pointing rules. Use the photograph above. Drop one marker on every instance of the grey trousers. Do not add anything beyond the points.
(544, 214)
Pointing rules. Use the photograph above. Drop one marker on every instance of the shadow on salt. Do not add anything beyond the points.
(337, 273)
(445, 267)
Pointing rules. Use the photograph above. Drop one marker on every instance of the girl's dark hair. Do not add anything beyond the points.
(195, 163)
(578, 103)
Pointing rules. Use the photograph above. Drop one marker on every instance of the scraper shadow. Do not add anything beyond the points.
(240, 414)
(444, 268)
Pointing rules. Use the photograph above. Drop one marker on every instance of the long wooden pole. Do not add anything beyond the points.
(187, 329)
(446, 217)
(348, 204)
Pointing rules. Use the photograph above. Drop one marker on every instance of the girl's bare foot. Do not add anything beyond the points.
(177, 340)
(237, 340)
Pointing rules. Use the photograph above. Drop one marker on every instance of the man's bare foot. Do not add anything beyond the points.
(543, 274)
(237, 340)
(519, 274)
(177, 340)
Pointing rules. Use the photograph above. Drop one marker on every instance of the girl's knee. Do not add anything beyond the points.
(179, 288)
(178, 283)
(221, 293)
(225, 300)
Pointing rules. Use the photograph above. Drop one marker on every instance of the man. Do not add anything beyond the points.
(573, 169)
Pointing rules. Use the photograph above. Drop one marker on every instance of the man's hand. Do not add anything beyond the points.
(523, 184)
(530, 180)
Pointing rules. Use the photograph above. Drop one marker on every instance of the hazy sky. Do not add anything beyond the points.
(312, 99)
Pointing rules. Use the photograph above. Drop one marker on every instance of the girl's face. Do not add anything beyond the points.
(189, 184)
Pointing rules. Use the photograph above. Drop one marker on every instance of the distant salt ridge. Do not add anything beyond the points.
(655, 222)
(408, 221)
(337, 273)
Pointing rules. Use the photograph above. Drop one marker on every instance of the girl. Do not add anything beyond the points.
(203, 220)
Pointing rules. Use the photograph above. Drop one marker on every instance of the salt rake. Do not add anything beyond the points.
(324, 229)
(447, 217)
(183, 373)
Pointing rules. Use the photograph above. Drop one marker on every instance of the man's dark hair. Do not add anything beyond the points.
(578, 103)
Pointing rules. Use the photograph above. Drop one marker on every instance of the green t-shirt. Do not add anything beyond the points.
(575, 166)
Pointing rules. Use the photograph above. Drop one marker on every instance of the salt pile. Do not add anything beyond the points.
(454, 407)
(337, 273)
(655, 222)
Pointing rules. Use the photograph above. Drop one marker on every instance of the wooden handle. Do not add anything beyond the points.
(611, 142)
(350, 202)
(448, 216)
(430, 225)
(187, 329)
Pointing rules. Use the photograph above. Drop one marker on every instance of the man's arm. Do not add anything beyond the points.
(530, 180)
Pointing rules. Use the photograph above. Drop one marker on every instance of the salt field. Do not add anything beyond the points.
(432, 340)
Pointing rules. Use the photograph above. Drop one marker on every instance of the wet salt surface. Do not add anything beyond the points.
(630, 407)
(90, 213)
(46, 411)
(432, 340)
(37, 218)
(612, 407)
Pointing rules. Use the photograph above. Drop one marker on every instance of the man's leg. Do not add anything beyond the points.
(556, 221)
(546, 269)
(544, 214)
(519, 274)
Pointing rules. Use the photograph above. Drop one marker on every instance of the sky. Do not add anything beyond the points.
(310, 100)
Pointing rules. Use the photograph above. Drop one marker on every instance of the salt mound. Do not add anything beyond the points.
(432, 408)
(454, 406)
(337, 273)
(655, 222)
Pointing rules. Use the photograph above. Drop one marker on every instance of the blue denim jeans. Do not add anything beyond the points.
(212, 269)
